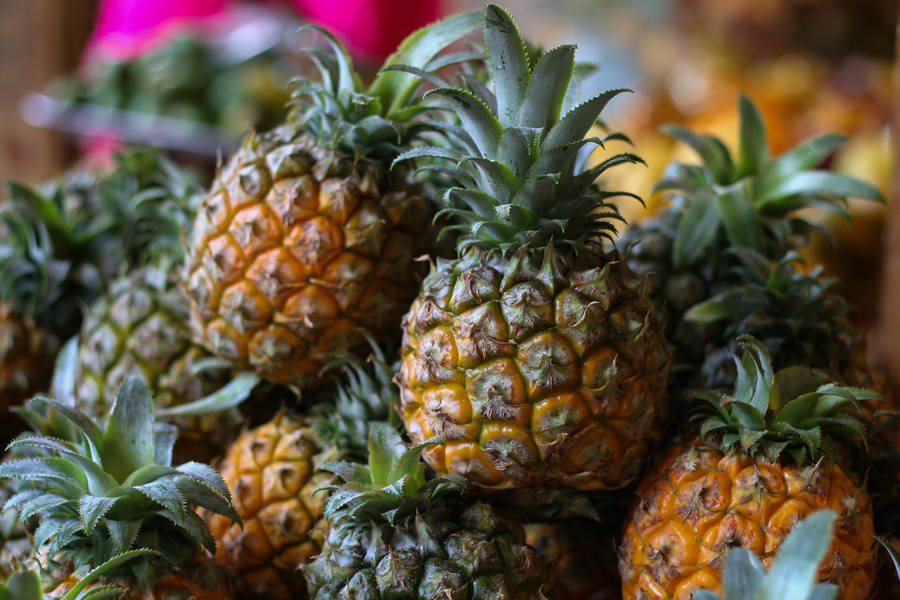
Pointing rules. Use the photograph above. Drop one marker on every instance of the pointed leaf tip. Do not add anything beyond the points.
(129, 441)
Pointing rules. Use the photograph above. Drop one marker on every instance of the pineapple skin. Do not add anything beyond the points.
(535, 370)
(451, 548)
(271, 473)
(296, 247)
(698, 502)
(26, 362)
(580, 557)
(139, 327)
(201, 582)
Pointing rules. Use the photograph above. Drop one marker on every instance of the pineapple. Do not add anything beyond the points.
(101, 491)
(26, 360)
(140, 325)
(535, 356)
(393, 533)
(580, 557)
(770, 453)
(62, 243)
(722, 209)
(792, 311)
(306, 235)
(272, 470)
(26, 584)
(793, 572)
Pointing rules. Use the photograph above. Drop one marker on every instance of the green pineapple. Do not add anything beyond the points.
(724, 210)
(395, 533)
(62, 243)
(535, 356)
(99, 491)
(792, 311)
(140, 327)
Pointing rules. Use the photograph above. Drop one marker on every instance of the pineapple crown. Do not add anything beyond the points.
(793, 572)
(27, 585)
(392, 486)
(794, 411)
(365, 396)
(519, 154)
(60, 245)
(792, 312)
(101, 491)
(751, 200)
(375, 121)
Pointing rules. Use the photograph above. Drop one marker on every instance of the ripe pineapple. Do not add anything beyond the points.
(767, 456)
(535, 357)
(101, 491)
(793, 572)
(394, 533)
(728, 208)
(272, 470)
(306, 234)
(60, 244)
(140, 326)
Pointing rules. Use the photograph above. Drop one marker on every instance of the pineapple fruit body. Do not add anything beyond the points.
(140, 327)
(580, 557)
(294, 249)
(540, 369)
(201, 581)
(26, 362)
(450, 549)
(270, 471)
(699, 502)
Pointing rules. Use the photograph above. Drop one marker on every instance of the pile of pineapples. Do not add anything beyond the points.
(404, 331)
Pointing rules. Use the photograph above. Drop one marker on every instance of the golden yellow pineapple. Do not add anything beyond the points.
(767, 458)
(271, 473)
(535, 356)
(306, 234)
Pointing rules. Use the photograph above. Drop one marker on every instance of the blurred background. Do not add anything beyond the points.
(80, 78)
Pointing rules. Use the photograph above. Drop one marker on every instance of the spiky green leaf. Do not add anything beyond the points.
(129, 441)
(794, 570)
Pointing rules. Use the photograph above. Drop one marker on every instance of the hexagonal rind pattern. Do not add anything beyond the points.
(699, 502)
(270, 471)
(532, 377)
(294, 248)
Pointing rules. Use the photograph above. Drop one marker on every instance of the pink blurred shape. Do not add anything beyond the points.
(371, 28)
(126, 28)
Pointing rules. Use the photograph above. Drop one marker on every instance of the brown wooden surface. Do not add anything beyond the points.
(39, 39)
